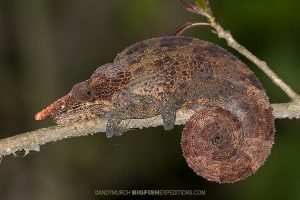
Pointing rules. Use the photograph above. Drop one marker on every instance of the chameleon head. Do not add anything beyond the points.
(80, 103)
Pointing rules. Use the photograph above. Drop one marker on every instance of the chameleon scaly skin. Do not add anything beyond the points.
(158, 76)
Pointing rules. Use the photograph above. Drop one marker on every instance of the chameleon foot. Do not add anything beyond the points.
(113, 127)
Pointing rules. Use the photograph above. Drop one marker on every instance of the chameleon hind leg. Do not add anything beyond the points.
(169, 117)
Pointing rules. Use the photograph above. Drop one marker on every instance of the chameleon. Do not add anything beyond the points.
(233, 125)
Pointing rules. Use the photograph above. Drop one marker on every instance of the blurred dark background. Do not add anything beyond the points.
(48, 46)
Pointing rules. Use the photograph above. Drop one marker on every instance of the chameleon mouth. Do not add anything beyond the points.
(53, 108)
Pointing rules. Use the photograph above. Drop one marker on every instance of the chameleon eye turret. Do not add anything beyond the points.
(232, 131)
(82, 92)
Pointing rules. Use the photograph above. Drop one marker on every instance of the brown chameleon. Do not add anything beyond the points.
(232, 131)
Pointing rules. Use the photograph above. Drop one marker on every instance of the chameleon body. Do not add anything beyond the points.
(158, 76)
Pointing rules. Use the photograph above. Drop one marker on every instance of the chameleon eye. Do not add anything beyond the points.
(82, 92)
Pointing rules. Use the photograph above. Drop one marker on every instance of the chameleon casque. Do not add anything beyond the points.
(232, 131)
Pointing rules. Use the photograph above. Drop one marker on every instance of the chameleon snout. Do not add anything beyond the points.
(53, 108)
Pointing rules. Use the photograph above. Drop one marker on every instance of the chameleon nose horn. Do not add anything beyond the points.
(52, 108)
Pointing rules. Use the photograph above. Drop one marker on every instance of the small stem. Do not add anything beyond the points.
(234, 44)
(182, 28)
(259, 63)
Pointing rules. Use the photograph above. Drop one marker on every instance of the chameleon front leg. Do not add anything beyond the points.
(127, 105)
(113, 127)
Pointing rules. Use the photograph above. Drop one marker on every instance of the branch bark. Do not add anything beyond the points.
(31, 141)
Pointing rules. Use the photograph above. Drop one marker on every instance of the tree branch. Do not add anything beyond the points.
(31, 141)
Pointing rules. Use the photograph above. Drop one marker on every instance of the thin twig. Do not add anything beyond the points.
(240, 48)
(182, 28)
(259, 63)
